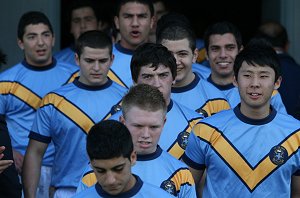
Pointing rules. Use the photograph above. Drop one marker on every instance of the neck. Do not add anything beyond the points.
(222, 80)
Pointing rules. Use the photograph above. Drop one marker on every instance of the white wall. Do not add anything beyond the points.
(11, 11)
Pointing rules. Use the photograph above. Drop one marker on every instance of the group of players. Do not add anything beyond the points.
(128, 117)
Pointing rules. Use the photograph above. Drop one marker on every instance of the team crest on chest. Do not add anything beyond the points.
(182, 139)
(169, 186)
(202, 112)
(278, 155)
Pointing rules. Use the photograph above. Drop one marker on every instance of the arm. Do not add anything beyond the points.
(4, 163)
(18, 158)
(295, 186)
(199, 180)
(32, 166)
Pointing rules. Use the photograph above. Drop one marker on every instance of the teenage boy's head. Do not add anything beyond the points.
(110, 150)
(155, 65)
(258, 52)
(94, 56)
(144, 113)
(32, 18)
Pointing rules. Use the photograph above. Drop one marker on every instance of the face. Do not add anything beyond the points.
(37, 44)
(161, 78)
(185, 57)
(256, 84)
(145, 128)
(134, 22)
(114, 175)
(94, 65)
(221, 54)
(82, 20)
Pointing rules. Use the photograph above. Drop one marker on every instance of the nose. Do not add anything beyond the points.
(145, 133)
(96, 66)
(110, 178)
(40, 40)
(255, 81)
(223, 52)
(156, 82)
(135, 21)
(82, 24)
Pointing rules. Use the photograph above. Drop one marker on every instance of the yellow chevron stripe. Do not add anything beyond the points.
(250, 177)
(74, 113)
(72, 78)
(21, 92)
(183, 176)
(215, 106)
(89, 179)
(115, 78)
(176, 150)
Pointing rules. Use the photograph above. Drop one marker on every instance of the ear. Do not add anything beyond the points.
(278, 82)
(20, 44)
(235, 83)
(133, 158)
(53, 40)
(77, 59)
(195, 55)
(122, 119)
(116, 20)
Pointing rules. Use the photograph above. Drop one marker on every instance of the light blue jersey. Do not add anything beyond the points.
(200, 96)
(202, 70)
(246, 157)
(233, 96)
(65, 117)
(22, 88)
(121, 65)
(180, 121)
(66, 55)
(140, 190)
(160, 169)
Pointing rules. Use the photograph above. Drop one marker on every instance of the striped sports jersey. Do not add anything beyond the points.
(243, 156)
(22, 88)
(65, 117)
(140, 190)
(160, 169)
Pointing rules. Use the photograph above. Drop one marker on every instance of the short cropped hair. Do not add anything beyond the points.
(109, 139)
(260, 52)
(32, 18)
(221, 28)
(148, 3)
(145, 97)
(93, 39)
(153, 54)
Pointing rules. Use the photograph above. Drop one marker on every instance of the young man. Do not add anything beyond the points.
(177, 19)
(223, 41)
(251, 148)
(144, 113)
(66, 115)
(155, 65)
(277, 35)
(111, 152)
(82, 17)
(134, 20)
(23, 86)
(189, 89)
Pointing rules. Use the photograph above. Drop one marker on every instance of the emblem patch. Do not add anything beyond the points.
(278, 155)
(169, 186)
(182, 139)
(116, 108)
